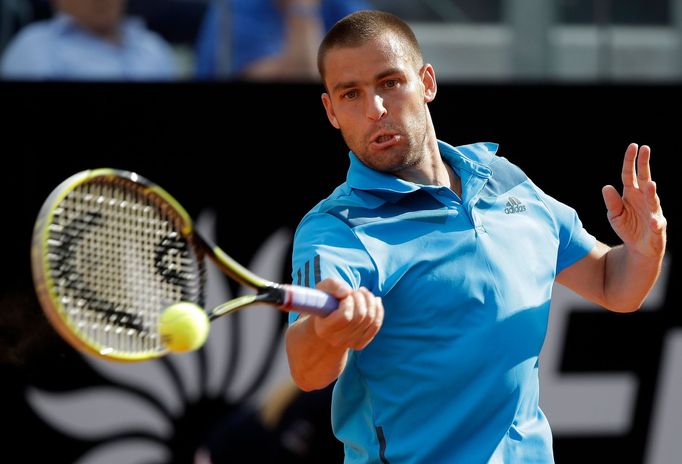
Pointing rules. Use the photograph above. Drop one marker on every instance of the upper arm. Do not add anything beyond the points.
(326, 247)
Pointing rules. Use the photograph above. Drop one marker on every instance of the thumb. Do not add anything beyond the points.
(612, 200)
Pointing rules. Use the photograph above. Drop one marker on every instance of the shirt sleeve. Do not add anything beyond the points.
(574, 241)
(24, 57)
(326, 247)
(205, 48)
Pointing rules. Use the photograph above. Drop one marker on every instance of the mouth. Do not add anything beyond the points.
(384, 140)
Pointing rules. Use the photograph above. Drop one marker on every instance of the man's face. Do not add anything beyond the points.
(377, 97)
(100, 16)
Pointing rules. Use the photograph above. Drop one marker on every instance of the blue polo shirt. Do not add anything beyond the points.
(452, 376)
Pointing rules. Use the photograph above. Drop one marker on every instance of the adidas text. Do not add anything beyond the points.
(514, 206)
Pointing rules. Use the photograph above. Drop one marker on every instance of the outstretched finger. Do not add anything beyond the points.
(628, 174)
(643, 168)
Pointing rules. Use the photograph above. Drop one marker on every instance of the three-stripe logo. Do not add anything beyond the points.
(514, 205)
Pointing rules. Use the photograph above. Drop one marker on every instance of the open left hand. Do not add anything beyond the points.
(637, 217)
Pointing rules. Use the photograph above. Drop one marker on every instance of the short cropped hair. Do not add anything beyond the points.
(362, 26)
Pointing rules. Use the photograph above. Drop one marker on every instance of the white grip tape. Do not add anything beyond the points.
(309, 300)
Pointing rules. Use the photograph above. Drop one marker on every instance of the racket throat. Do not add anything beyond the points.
(275, 295)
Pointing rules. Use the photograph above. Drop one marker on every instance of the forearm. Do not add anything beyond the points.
(314, 363)
(304, 30)
(628, 277)
(298, 59)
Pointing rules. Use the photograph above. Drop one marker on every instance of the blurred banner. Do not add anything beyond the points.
(248, 161)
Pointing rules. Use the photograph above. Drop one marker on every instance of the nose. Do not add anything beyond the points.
(375, 107)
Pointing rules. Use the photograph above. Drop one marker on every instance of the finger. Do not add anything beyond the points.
(628, 174)
(612, 200)
(643, 168)
(337, 322)
(359, 310)
(338, 288)
(350, 323)
(651, 196)
(378, 319)
(369, 305)
(374, 325)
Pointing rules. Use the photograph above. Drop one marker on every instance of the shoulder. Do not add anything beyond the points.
(479, 152)
(322, 214)
(342, 206)
(506, 175)
(486, 160)
(34, 34)
(27, 47)
(328, 243)
(489, 154)
(155, 56)
(334, 219)
(143, 36)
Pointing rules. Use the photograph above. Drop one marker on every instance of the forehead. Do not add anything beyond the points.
(361, 63)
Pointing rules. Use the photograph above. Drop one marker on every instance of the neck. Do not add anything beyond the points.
(109, 31)
(109, 34)
(435, 171)
(431, 169)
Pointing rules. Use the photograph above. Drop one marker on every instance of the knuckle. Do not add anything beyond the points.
(348, 314)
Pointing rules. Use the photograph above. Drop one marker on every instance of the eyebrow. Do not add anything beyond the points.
(346, 85)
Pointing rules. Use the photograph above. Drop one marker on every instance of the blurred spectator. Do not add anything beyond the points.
(266, 39)
(88, 39)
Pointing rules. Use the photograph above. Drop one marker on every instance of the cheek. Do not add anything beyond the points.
(348, 122)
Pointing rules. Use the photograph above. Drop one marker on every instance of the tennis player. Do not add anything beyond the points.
(444, 260)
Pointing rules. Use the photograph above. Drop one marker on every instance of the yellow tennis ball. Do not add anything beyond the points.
(183, 327)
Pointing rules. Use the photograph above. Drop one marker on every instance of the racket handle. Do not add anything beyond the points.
(308, 300)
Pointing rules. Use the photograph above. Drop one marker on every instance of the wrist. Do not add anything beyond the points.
(651, 255)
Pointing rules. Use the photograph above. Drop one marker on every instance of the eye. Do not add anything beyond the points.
(389, 84)
(351, 94)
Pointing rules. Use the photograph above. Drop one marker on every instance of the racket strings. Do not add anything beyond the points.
(117, 260)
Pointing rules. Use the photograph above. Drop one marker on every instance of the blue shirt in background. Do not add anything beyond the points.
(61, 49)
(452, 376)
(243, 31)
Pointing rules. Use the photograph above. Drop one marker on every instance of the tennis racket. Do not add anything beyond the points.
(111, 250)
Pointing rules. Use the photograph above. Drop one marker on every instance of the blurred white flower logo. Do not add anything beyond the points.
(159, 411)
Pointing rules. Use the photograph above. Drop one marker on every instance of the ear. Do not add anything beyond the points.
(327, 102)
(429, 82)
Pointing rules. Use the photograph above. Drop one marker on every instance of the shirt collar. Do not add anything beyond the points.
(466, 160)
(63, 23)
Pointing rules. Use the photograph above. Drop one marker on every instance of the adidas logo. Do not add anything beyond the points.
(514, 206)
